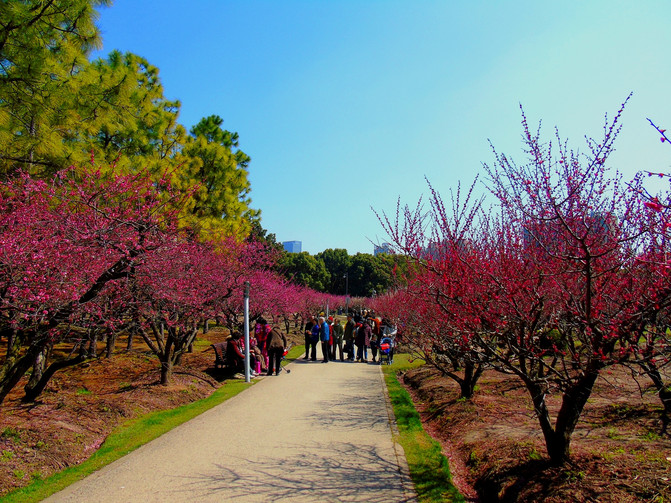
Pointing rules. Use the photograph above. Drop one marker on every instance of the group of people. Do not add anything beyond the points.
(361, 330)
(269, 344)
(266, 349)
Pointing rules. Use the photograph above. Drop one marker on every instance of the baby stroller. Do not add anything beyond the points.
(387, 350)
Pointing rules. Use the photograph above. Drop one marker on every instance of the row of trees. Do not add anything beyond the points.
(336, 272)
(567, 276)
(149, 237)
(57, 108)
(91, 253)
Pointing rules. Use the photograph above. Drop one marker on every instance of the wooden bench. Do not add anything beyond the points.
(219, 355)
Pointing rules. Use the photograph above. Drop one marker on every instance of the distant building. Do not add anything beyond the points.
(383, 248)
(293, 246)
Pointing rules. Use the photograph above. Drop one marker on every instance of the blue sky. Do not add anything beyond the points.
(347, 105)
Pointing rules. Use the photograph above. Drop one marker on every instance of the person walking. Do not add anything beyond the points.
(324, 336)
(338, 333)
(276, 344)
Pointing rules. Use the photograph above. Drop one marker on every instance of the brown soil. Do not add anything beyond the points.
(83, 404)
(497, 453)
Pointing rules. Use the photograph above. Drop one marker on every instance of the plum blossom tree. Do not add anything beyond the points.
(443, 304)
(62, 243)
(579, 231)
(546, 287)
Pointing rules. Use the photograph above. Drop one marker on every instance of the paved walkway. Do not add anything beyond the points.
(323, 432)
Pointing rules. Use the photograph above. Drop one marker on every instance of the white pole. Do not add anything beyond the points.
(246, 310)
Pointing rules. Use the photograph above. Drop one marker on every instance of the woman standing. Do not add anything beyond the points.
(276, 343)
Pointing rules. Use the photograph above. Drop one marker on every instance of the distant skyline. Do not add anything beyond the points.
(293, 246)
(347, 105)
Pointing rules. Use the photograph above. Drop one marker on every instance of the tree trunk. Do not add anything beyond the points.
(109, 347)
(166, 370)
(39, 364)
(663, 391)
(558, 439)
(206, 327)
(13, 347)
(129, 344)
(467, 385)
(33, 392)
(93, 344)
(15, 368)
(11, 340)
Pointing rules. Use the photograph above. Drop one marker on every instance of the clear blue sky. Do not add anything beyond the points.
(344, 105)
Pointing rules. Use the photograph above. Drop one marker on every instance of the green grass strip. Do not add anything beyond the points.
(294, 354)
(124, 439)
(429, 468)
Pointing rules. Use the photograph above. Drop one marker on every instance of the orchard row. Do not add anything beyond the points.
(92, 253)
(566, 276)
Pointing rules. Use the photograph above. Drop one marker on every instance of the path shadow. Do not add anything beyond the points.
(335, 472)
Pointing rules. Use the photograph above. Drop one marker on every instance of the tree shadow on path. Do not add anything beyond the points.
(335, 472)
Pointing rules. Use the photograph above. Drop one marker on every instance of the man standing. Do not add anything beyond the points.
(338, 333)
(324, 336)
(308, 338)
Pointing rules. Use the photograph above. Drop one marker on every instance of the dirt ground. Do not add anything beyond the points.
(497, 453)
(83, 404)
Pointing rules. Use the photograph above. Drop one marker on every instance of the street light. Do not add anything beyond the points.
(346, 276)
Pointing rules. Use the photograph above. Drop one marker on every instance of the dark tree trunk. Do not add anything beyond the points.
(34, 392)
(206, 327)
(12, 337)
(129, 344)
(558, 439)
(663, 391)
(467, 383)
(472, 373)
(93, 344)
(39, 364)
(15, 367)
(83, 349)
(166, 369)
(109, 347)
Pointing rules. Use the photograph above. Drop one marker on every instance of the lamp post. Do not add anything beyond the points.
(346, 276)
(246, 314)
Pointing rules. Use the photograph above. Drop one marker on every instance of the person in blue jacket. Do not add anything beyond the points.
(324, 337)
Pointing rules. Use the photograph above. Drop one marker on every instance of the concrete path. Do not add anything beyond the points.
(323, 432)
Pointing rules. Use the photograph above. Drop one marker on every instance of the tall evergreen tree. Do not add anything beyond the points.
(43, 46)
(222, 199)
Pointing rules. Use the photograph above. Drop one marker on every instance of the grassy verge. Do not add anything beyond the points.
(294, 354)
(429, 469)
